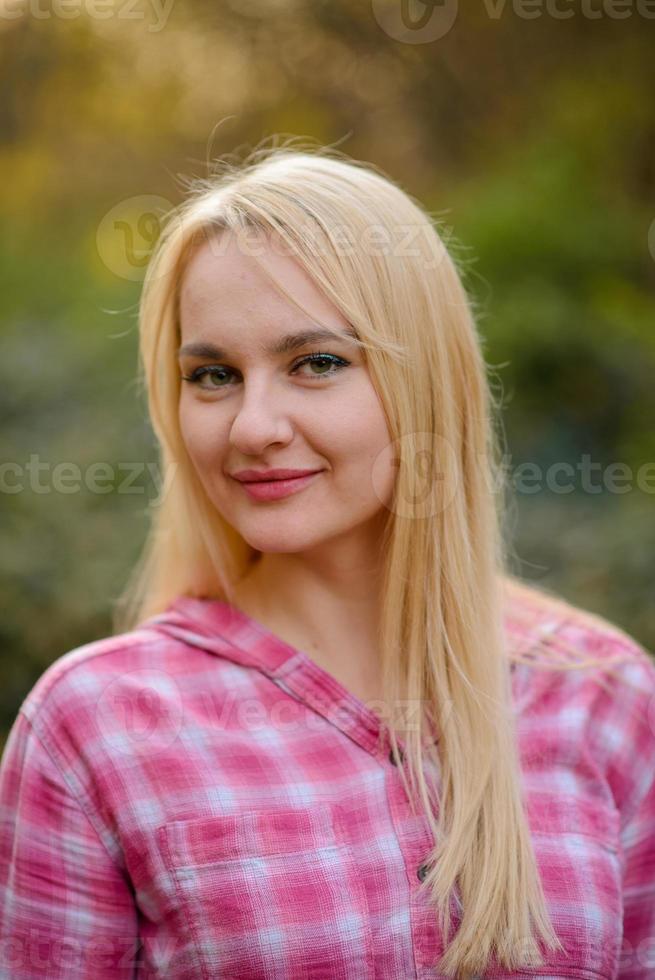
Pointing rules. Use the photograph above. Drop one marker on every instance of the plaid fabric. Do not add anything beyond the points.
(198, 799)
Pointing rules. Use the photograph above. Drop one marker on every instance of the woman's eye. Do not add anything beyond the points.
(322, 361)
(326, 365)
(214, 374)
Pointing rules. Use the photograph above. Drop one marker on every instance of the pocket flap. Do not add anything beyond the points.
(204, 840)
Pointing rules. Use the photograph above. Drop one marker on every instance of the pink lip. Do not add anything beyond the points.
(257, 476)
(275, 489)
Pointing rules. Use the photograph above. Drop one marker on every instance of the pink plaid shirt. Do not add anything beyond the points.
(198, 799)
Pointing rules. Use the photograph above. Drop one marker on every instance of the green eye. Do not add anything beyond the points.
(333, 362)
(213, 372)
(217, 373)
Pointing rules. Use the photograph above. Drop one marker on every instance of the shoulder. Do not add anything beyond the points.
(560, 645)
(584, 684)
(85, 669)
(112, 696)
(545, 628)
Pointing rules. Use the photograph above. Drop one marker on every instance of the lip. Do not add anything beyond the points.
(275, 489)
(261, 476)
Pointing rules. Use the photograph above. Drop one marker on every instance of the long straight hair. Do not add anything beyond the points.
(378, 256)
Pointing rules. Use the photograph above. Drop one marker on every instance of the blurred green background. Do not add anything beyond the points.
(531, 137)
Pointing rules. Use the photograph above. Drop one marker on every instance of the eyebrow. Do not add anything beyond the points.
(284, 345)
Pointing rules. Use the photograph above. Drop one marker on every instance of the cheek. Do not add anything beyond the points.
(379, 455)
(200, 434)
(362, 442)
(188, 430)
(370, 427)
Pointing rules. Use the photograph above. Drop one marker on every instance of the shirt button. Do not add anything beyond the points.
(422, 871)
(400, 756)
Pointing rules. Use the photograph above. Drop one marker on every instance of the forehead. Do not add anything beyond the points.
(225, 279)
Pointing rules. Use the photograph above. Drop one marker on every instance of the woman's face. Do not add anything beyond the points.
(248, 407)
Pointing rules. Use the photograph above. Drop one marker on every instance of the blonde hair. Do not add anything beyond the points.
(445, 581)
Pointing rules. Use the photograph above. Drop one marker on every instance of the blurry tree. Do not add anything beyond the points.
(531, 140)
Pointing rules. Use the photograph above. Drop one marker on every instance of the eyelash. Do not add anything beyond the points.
(338, 364)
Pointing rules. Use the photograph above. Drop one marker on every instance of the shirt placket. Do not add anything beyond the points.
(415, 840)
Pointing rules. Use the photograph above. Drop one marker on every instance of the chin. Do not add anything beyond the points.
(277, 545)
(281, 539)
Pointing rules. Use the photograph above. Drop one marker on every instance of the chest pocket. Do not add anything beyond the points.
(270, 894)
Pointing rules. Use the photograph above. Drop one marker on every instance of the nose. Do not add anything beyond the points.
(261, 420)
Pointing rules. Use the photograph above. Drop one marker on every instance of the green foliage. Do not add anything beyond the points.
(534, 139)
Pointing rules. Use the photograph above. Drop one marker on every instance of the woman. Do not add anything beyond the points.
(332, 736)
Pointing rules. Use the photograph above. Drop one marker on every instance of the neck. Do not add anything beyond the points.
(330, 612)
